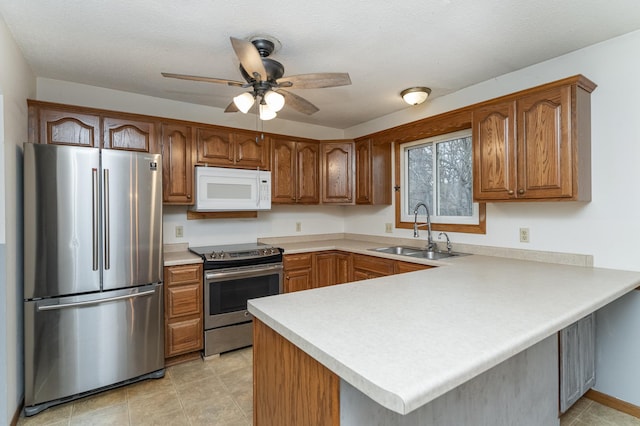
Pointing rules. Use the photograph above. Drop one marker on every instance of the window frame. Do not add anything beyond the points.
(441, 128)
(474, 219)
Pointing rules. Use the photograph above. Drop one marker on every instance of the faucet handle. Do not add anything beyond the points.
(448, 240)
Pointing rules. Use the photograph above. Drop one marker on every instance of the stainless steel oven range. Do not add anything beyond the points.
(234, 274)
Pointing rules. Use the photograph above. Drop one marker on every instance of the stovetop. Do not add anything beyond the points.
(233, 255)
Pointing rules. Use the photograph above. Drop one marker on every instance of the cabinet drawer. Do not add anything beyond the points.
(183, 300)
(296, 261)
(183, 274)
(184, 336)
(373, 264)
(402, 267)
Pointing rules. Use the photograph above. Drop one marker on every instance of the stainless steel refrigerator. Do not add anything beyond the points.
(93, 304)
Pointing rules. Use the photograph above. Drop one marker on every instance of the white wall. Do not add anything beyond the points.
(608, 227)
(279, 221)
(17, 83)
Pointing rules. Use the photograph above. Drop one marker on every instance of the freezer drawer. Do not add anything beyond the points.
(81, 343)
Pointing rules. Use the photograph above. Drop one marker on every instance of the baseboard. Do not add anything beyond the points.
(615, 403)
(16, 415)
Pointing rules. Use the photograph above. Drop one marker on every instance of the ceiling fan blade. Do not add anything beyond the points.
(298, 103)
(231, 107)
(205, 79)
(315, 80)
(249, 58)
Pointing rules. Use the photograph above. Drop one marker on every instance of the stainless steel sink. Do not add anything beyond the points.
(402, 250)
(433, 255)
(416, 252)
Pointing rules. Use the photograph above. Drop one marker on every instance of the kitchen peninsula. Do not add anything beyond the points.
(473, 341)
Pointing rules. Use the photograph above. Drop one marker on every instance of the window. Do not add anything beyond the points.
(438, 171)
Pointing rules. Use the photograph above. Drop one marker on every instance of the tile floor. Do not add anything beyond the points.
(218, 392)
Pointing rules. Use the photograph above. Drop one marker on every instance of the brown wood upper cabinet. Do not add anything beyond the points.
(232, 148)
(337, 172)
(128, 134)
(534, 144)
(61, 126)
(177, 164)
(74, 125)
(373, 172)
(295, 167)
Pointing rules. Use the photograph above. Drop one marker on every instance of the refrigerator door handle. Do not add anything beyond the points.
(95, 225)
(107, 243)
(95, 301)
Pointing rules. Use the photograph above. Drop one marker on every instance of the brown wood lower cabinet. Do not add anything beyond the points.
(304, 271)
(332, 267)
(290, 388)
(183, 309)
(298, 272)
(366, 267)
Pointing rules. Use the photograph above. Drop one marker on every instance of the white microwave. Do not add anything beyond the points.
(220, 189)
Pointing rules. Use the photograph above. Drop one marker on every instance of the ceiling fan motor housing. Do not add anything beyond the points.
(274, 69)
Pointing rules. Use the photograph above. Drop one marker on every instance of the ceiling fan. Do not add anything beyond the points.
(264, 78)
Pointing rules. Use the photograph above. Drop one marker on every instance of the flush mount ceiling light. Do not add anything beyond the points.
(415, 95)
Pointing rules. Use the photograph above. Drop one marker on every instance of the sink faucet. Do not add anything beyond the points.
(430, 244)
(448, 241)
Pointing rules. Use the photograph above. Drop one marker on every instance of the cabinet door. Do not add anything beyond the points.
(214, 147)
(337, 172)
(325, 269)
(544, 144)
(178, 171)
(494, 152)
(128, 135)
(307, 180)
(252, 151)
(373, 172)
(69, 128)
(363, 172)
(577, 360)
(183, 337)
(298, 279)
(375, 266)
(343, 268)
(283, 175)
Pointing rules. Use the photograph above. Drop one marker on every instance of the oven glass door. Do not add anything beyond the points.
(227, 292)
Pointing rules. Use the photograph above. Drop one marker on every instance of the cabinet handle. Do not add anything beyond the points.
(188, 196)
(510, 192)
(520, 191)
(287, 278)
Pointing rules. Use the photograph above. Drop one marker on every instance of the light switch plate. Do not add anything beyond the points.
(179, 231)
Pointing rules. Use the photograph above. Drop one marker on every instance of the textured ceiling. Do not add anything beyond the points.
(385, 46)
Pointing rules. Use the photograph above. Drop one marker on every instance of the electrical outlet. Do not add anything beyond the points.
(388, 228)
(179, 231)
(298, 226)
(524, 235)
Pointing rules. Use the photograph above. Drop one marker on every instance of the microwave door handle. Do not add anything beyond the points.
(258, 188)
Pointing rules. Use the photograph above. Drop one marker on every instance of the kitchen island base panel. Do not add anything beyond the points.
(289, 387)
(522, 390)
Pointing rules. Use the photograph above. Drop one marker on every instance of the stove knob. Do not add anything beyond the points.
(273, 251)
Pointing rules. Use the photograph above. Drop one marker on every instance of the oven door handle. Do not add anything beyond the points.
(246, 272)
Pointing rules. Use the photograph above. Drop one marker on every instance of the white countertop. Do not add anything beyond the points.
(179, 254)
(406, 339)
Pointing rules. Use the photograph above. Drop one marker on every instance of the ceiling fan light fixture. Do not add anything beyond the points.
(244, 102)
(415, 95)
(274, 100)
(266, 113)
